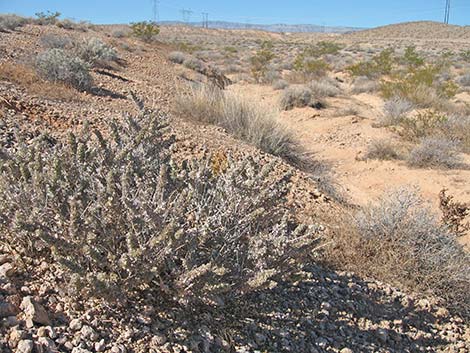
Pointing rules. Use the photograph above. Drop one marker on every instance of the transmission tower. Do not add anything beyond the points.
(155, 10)
(186, 14)
(447, 12)
(205, 20)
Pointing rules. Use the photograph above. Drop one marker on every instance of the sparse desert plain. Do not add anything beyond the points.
(180, 189)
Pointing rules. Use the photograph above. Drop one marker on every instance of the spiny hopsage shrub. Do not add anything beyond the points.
(122, 217)
(260, 61)
(380, 64)
(145, 30)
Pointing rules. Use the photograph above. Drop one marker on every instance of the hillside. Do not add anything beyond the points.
(422, 30)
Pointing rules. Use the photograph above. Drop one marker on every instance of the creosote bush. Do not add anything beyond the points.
(47, 18)
(145, 30)
(399, 240)
(248, 121)
(380, 64)
(122, 218)
(57, 65)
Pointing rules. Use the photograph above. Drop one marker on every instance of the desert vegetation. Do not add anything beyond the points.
(175, 187)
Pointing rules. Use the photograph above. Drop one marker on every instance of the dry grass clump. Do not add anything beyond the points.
(435, 152)
(382, 150)
(124, 220)
(248, 121)
(29, 79)
(399, 240)
(177, 57)
(56, 65)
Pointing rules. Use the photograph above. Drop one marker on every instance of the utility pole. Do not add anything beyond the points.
(186, 14)
(447, 12)
(155, 11)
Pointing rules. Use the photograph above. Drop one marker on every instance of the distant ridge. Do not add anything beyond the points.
(300, 28)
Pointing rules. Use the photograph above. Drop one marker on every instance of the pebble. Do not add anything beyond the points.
(75, 324)
(25, 346)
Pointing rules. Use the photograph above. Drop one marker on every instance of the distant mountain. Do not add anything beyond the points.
(270, 28)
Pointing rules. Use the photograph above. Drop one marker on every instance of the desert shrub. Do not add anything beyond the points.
(230, 50)
(420, 86)
(454, 213)
(296, 97)
(380, 64)
(423, 124)
(363, 84)
(57, 66)
(52, 41)
(145, 31)
(382, 150)
(66, 24)
(194, 64)
(310, 67)
(395, 110)
(97, 53)
(259, 63)
(399, 240)
(465, 55)
(177, 57)
(320, 49)
(280, 84)
(271, 76)
(119, 33)
(411, 58)
(122, 218)
(47, 18)
(187, 47)
(11, 22)
(247, 121)
(435, 152)
(465, 80)
(324, 88)
(457, 127)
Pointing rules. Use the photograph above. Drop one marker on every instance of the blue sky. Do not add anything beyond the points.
(358, 13)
